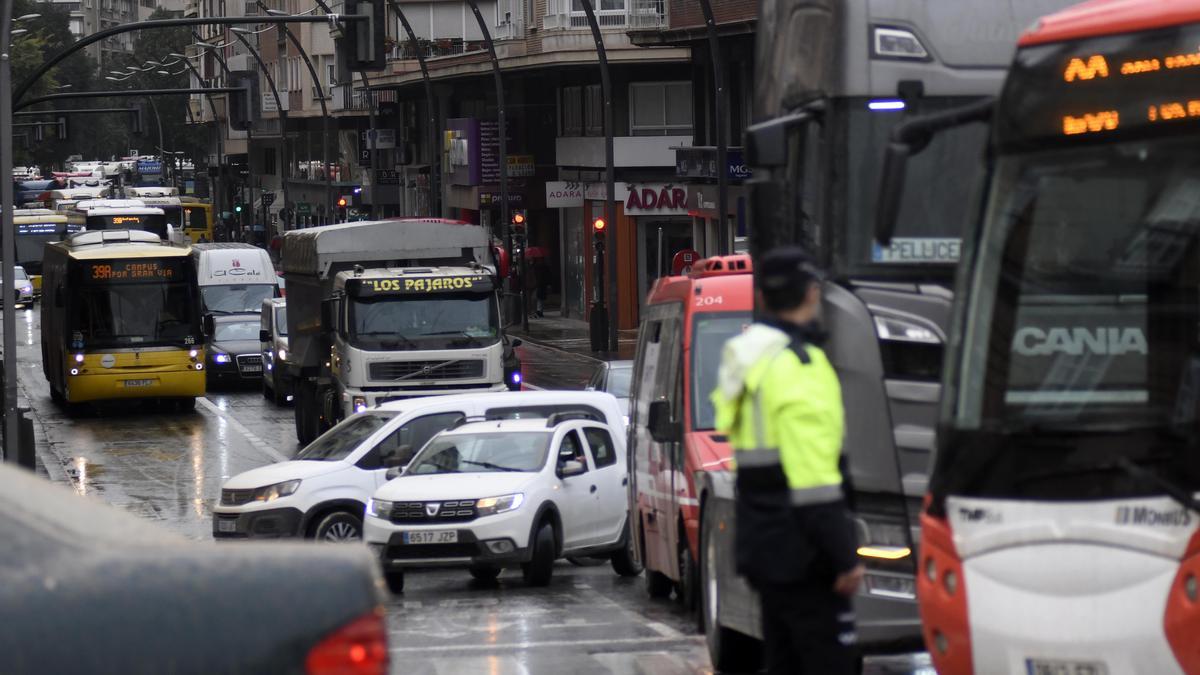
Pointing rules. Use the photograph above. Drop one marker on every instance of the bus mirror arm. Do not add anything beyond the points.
(208, 325)
(910, 138)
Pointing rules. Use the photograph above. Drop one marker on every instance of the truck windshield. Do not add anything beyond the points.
(429, 321)
(1081, 348)
(482, 453)
(931, 219)
(337, 443)
(236, 298)
(710, 330)
(133, 314)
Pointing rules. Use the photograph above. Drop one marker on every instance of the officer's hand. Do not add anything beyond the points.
(847, 583)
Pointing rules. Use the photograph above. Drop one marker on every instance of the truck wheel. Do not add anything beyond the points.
(395, 580)
(338, 527)
(484, 572)
(540, 567)
(624, 562)
(306, 413)
(729, 650)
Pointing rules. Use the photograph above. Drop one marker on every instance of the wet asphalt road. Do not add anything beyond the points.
(168, 467)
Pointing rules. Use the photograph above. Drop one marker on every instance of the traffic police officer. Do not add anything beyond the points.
(779, 402)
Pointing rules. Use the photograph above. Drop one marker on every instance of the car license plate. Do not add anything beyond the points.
(1057, 667)
(431, 537)
(138, 383)
(251, 369)
(226, 526)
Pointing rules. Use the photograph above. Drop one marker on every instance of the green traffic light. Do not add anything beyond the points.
(238, 208)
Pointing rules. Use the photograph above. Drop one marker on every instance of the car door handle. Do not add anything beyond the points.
(593, 488)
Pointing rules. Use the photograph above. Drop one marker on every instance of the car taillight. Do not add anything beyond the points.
(358, 648)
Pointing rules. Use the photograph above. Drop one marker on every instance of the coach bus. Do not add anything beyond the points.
(121, 319)
(1061, 528)
(833, 78)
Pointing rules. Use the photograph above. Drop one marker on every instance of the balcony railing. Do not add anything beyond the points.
(510, 20)
(348, 97)
(637, 14)
(431, 49)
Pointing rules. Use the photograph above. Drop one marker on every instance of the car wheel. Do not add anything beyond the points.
(729, 650)
(395, 580)
(540, 567)
(484, 572)
(624, 562)
(338, 527)
(277, 395)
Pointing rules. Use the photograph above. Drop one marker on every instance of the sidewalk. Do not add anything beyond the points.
(572, 336)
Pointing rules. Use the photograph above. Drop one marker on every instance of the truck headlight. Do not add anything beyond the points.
(272, 492)
(905, 330)
(282, 353)
(493, 505)
(379, 508)
(359, 403)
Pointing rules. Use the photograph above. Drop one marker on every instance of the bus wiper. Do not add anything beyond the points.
(489, 465)
(1172, 489)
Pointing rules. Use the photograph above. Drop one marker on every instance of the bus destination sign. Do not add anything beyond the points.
(137, 270)
(414, 285)
(1126, 85)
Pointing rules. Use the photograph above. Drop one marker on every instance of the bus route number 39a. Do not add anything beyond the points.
(709, 300)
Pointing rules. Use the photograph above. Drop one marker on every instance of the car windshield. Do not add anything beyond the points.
(709, 333)
(929, 225)
(337, 443)
(236, 298)
(619, 377)
(482, 453)
(19, 274)
(235, 330)
(441, 321)
(281, 321)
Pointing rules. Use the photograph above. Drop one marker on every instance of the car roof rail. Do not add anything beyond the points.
(558, 418)
(466, 419)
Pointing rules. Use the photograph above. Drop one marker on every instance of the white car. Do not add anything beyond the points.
(495, 494)
(22, 288)
(323, 492)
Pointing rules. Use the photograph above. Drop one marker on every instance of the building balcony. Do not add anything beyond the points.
(634, 15)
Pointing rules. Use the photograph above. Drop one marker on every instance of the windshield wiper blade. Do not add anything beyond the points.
(489, 465)
(463, 334)
(1172, 489)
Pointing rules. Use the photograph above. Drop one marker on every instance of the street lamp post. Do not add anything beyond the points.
(239, 33)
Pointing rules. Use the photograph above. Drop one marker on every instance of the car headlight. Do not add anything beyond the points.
(221, 358)
(379, 508)
(282, 354)
(904, 330)
(272, 492)
(493, 505)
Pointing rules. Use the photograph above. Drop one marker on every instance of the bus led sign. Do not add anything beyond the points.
(122, 220)
(140, 270)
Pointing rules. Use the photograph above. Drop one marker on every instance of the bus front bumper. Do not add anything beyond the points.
(130, 385)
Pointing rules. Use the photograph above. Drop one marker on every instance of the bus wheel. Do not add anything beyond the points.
(56, 396)
(185, 405)
(729, 650)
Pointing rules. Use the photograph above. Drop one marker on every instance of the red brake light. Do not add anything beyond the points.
(358, 648)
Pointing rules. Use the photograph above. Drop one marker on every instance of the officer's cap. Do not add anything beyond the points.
(789, 267)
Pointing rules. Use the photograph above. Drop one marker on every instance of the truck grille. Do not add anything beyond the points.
(461, 369)
(447, 512)
(250, 364)
(236, 497)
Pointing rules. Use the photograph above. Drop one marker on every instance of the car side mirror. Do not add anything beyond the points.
(209, 326)
(394, 472)
(570, 468)
(264, 336)
(663, 429)
(517, 342)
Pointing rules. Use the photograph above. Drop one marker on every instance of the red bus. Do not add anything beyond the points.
(686, 321)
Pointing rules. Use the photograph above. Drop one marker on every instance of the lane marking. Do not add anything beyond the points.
(533, 387)
(254, 440)
(664, 630)
(546, 644)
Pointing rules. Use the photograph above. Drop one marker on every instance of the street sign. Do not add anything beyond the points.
(303, 209)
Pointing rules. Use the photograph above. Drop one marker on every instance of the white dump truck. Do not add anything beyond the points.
(384, 310)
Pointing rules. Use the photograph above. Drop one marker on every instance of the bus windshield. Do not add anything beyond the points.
(154, 223)
(710, 331)
(1083, 319)
(941, 179)
(132, 314)
(441, 321)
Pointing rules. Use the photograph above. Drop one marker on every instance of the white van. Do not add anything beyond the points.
(234, 278)
(322, 493)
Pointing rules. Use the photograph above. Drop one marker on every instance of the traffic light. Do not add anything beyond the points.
(360, 44)
(518, 217)
(598, 229)
(343, 202)
(237, 208)
(242, 108)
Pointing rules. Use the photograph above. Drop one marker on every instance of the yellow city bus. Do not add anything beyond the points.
(36, 228)
(121, 319)
(197, 219)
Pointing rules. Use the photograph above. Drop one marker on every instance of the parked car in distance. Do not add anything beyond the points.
(613, 377)
(323, 492)
(234, 353)
(273, 342)
(503, 493)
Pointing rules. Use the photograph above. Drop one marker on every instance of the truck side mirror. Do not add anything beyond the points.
(264, 336)
(208, 325)
(662, 428)
(329, 313)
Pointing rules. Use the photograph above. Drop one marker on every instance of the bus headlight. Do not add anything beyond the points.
(79, 358)
(194, 353)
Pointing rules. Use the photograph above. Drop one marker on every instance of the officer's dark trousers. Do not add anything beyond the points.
(807, 631)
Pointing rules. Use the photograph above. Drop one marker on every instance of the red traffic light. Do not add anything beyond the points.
(518, 218)
(342, 202)
(599, 225)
